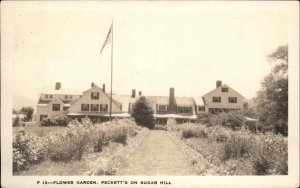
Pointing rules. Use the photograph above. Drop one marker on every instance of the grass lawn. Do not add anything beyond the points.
(39, 130)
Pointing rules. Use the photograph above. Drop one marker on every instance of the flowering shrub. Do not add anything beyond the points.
(160, 127)
(69, 145)
(232, 119)
(197, 131)
(238, 145)
(264, 154)
(218, 134)
(270, 155)
(27, 150)
(85, 136)
(55, 121)
(172, 125)
(203, 118)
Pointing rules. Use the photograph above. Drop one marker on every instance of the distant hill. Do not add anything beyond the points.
(20, 101)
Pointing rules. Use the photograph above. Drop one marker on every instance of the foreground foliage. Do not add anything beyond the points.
(272, 99)
(69, 144)
(236, 152)
(232, 119)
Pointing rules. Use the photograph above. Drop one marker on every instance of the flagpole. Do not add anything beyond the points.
(111, 69)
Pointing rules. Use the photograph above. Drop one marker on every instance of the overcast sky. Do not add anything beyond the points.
(156, 47)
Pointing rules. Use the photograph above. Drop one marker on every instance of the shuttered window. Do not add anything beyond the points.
(216, 99)
(85, 107)
(232, 100)
(56, 107)
(94, 107)
(95, 95)
(103, 107)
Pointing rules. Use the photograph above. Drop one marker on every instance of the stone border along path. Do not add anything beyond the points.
(157, 154)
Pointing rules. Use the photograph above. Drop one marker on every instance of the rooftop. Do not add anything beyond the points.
(52, 91)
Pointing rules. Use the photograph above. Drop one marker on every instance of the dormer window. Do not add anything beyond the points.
(95, 95)
(225, 89)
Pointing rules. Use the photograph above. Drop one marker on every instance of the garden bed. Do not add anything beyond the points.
(235, 152)
(80, 149)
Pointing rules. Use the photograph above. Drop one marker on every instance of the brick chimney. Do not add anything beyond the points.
(133, 93)
(103, 88)
(140, 93)
(218, 83)
(57, 86)
(172, 105)
(92, 84)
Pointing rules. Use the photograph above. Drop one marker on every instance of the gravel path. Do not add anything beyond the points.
(157, 155)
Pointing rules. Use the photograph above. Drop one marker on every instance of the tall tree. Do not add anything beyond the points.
(272, 99)
(143, 113)
(28, 112)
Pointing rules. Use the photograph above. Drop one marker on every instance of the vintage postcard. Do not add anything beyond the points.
(149, 94)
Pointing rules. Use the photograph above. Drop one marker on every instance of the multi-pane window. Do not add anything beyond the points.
(201, 108)
(43, 117)
(162, 107)
(85, 107)
(215, 110)
(70, 97)
(66, 96)
(95, 95)
(56, 107)
(224, 89)
(94, 107)
(46, 96)
(51, 96)
(184, 109)
(232, 99)
(217, 99)
(103, 107)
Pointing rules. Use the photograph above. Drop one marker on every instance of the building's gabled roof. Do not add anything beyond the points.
(199, 101)
(41, 101)
(157, 99)
(46, 102)
(52, 91)
(224, 85)
(184, 101)
(124, 100)
(99, 88)
(95, 86)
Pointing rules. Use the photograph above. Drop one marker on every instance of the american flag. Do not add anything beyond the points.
(108, 38)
